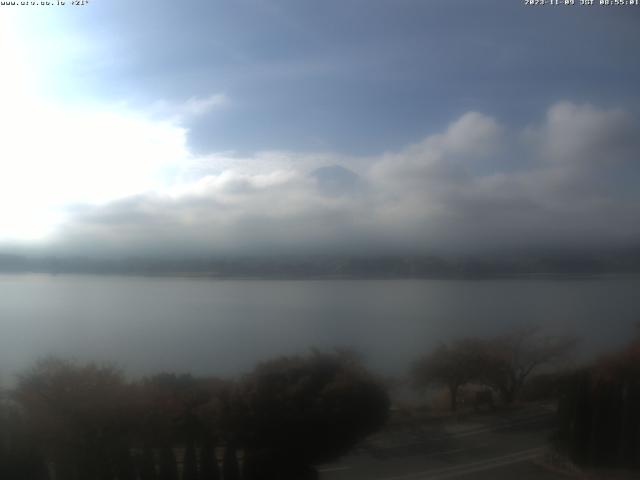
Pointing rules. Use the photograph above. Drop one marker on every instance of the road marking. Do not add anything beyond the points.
(432, 454)
(474, 431)
(488, 466)
(501, 426)
(333, 469)
(455, 450)
(467, 468)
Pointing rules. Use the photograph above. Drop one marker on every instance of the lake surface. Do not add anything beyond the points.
(223, 327)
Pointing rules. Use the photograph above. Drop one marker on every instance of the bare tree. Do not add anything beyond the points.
(449, 365)
(505, 362)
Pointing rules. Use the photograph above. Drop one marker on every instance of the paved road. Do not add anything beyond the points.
(482, 446)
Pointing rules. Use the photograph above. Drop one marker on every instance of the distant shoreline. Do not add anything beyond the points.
(284, 277)
(314, 267)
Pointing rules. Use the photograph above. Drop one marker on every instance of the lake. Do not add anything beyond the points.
(222, 327)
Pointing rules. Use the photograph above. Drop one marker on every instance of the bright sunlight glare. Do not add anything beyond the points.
(54, 154)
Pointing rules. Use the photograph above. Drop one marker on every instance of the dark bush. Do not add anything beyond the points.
(545, 386)
(599, 412)
(300, 411)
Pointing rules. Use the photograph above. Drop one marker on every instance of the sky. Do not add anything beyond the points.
(289, 126)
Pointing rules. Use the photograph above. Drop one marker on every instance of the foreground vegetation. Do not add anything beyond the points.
(598, 421)
(86, 422)
(599, 411)
(71, 421)
(499, 364)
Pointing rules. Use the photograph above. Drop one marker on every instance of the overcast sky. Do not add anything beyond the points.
(255, 126)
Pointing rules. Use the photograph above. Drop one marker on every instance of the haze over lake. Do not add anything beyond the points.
(222, 327)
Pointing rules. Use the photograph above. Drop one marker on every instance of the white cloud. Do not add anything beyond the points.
(582, 133)
(428, 196)
(180, 112)
(52, 154)
(200, 106)
(472, 137)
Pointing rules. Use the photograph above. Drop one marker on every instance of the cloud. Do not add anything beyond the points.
(226, 213)
(428, 197)
(336, 180)
(52, 156)
(55, 153)
(582, 133)
(190, 108)
(473, 137)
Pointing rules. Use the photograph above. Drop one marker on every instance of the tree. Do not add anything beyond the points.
(208, 463)
(146, 463)
(167, 467)
(230, 469)
(450, 365)
(599, 411)
(190, 462)
(303, 410)
(168, 405)
(79, 414)
(19, 457)
(505, 362)
(178, 409)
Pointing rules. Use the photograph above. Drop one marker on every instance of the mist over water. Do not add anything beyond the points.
(223, 327)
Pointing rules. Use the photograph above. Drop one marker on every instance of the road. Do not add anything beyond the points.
(481, 446)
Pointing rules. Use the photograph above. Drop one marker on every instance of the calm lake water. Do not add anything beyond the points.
(223, 327)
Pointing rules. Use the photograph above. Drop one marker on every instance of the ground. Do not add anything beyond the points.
(512, 444)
